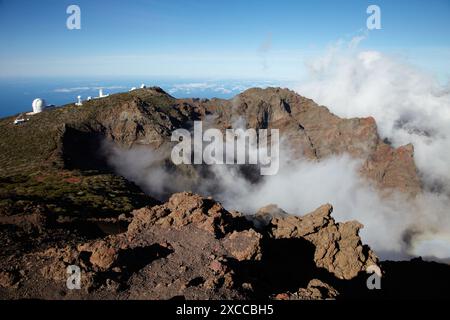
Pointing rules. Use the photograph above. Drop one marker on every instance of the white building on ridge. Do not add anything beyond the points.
(38, 106)
(101, 95)
(79, 102)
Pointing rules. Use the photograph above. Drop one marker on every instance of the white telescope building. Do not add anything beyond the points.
(38, 106)
(101, 94)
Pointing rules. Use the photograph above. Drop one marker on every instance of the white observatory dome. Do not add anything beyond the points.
(38, 105)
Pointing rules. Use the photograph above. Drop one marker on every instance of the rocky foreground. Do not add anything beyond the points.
(193, 248)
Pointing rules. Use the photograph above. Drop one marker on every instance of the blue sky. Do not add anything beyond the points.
(209, 39)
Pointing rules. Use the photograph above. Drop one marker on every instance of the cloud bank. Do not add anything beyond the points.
(409, 106)
(78, 89)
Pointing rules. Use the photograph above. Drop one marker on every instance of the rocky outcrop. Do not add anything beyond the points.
(312, 131)
(244, 245)
(393, 169)
(316, 290)
(194, 248)
(338, 247)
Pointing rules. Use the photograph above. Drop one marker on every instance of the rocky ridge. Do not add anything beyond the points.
(65, 137)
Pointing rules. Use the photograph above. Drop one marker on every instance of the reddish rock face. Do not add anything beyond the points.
(312, 131)
(393, 169)
(338, 247)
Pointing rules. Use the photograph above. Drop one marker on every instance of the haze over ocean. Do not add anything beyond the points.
(16, 95)
(251, 41)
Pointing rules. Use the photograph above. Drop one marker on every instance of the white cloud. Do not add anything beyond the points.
(78, 89)
(409, 106)
(222, 87)
(74, 89)
(299, 188)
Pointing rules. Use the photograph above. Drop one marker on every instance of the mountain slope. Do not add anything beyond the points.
(68, 136)
(62, 203)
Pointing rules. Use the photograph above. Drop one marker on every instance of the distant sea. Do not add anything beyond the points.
(16, 95)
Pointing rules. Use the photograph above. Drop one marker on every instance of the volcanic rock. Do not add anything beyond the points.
(181, 210)
(103, 254)
(191, 246)
(312, 131)
(244, 245)
(316, 290)
(7, 279)
(338, 247)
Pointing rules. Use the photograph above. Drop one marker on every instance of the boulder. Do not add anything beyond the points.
(316, 290)
(338, 247)
(244, 245)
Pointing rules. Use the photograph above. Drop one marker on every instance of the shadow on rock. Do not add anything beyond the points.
(286, 266)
